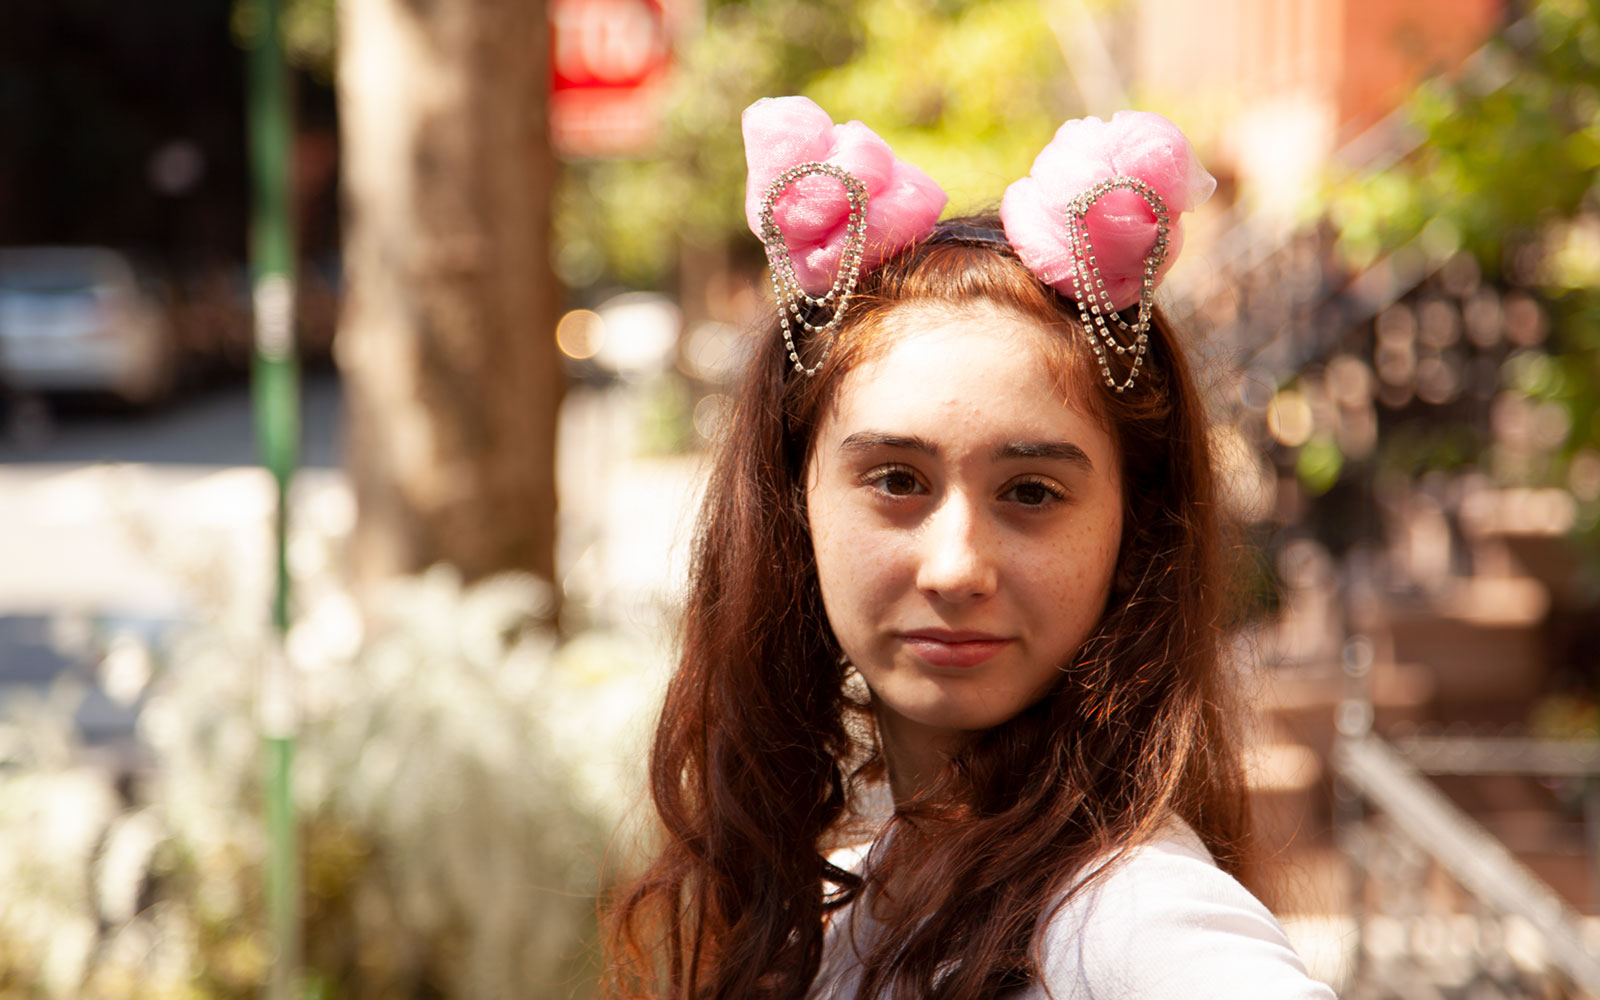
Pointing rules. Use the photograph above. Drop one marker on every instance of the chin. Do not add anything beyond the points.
(952, 716)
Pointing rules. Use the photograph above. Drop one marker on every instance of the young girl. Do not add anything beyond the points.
(960, 539)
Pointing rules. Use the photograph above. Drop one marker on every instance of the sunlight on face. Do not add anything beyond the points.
(966, 521)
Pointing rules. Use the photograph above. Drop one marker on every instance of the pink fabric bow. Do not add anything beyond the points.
(904, 203)
(1120, 225)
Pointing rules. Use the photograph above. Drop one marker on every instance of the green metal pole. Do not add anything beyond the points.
(276, 391)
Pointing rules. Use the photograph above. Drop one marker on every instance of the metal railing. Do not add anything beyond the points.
(1473, 857)
(1397, 827)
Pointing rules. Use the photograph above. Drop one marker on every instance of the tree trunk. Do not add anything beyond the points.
(450, 368)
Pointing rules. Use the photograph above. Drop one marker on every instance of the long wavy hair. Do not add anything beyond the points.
(759, 754)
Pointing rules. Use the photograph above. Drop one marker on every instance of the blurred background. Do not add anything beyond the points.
(342, 689)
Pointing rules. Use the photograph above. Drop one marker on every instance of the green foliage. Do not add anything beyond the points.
(1318, 464)
(1415, 447)
(310, 32)
(1506, 169)
(1500, 161)
(967, 90)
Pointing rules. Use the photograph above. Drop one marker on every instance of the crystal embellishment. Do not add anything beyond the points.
(1089, 290)
(796, 306)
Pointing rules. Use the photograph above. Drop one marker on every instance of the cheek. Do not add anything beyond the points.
(846, 556)
(830, 549)
(856, 566)
(1079, 566)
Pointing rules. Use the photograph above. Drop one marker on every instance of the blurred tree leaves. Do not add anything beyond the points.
(1508, 150)
(1506, 169)
(310, 33)
(970, 91)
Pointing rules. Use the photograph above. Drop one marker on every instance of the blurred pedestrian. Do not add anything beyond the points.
(961, 543)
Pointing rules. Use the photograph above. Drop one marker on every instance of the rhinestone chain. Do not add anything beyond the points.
(1094, 307)
(785, 287)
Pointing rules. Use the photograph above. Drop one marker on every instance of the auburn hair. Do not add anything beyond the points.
(759, 750)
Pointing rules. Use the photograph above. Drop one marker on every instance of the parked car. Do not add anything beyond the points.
(79, 319)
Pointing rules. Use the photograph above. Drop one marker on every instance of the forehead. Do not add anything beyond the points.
(967, 361)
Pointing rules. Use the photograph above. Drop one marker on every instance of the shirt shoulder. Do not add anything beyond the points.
(1165, 922)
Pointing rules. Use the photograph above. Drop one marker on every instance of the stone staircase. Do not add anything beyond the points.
(1441, 668)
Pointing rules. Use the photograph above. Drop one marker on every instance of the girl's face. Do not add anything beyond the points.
(966, 520)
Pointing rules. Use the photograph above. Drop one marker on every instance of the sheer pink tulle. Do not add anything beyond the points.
(1121, 226)
(904, 203)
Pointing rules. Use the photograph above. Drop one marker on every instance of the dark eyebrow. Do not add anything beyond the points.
(1064, 450)
(866, 440)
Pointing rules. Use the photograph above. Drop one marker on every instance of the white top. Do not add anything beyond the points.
(1165, 923)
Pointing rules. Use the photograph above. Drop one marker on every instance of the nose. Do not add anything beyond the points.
(958, 562)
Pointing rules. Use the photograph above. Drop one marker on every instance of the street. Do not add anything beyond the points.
(210, 427)
(111, 521)
(124, 524)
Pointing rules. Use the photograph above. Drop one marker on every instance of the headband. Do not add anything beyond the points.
(1097, 217)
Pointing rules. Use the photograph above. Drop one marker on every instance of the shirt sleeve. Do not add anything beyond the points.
(1167, 924)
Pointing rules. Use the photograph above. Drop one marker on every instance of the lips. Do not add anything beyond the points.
(954, 649)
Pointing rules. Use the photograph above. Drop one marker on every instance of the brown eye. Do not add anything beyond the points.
(899, 484)
(893, 481)
(1034, 493)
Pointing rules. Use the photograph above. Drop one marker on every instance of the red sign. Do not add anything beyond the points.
(608, 61)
